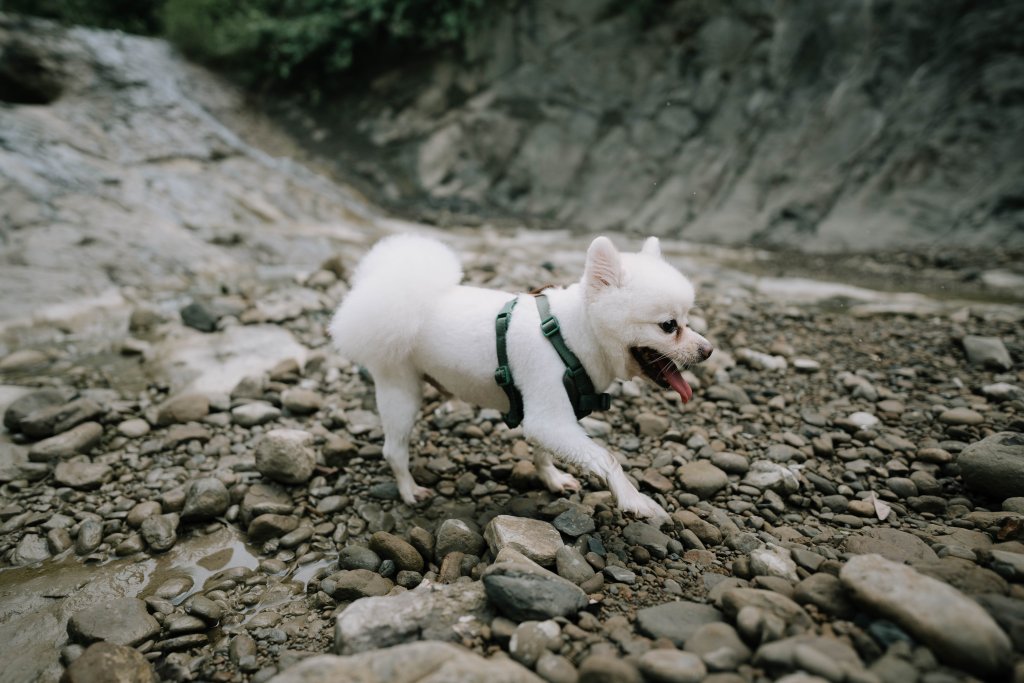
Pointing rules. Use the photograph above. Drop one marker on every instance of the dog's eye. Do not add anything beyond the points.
(669, 326)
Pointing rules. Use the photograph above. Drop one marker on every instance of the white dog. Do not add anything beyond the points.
(407, 318)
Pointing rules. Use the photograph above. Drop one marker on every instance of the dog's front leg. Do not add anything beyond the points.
(567, 440)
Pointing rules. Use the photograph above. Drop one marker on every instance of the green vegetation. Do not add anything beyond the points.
(296, 45)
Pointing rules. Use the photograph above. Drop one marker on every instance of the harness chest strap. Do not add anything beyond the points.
(577, 383)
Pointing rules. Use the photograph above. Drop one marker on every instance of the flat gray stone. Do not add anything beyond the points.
(124, 621)
(957, 629)
(676, 621)
(82, 474)
(534, 538)
(80, 439)
(892, 544)
(524, 591)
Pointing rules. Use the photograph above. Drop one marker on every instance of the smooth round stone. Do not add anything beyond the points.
(994, 465)
(134, 428)
(80, 474)
(863, 420)
(702, 478)
(206, 498)
(602, 668)
(961, 416)
(806, 365)
(184, 623)
(454, 535)
(255, 413)
(672, 666)
(301, 401)
(90, 535)
(141, 511)
(571, 565)
(173, 587)
(160, 532)
(401, 552)
(110, 662)
(358, 557)
(284, 455)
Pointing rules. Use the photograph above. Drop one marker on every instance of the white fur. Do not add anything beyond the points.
(407, 317)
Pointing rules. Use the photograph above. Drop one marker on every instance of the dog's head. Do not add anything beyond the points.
(638, 306)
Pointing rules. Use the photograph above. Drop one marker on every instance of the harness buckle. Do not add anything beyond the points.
(549, 326)
(503, 376)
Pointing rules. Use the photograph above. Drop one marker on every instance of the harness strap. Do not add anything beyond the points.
(577, 382)
(503, 374)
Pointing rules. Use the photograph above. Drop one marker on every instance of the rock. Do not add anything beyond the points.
(571, 565)
(423, 662)
(358, 557)
(773, 561)
(825, 592)
(24, 360)
(353, 584)
(104, 662)
(530, 640)
(200, 315)
(619, 574)
(255, 413)
(719, 646)
(400, 552)
(24, 406)
(761, 361)
(676, 621)
(524, 592)
(535, 539)
(284, 455)
(1002, 391)
(729, 393)
(988, 352)
(206, 498)
(648, 537)
(702, 478)
(454, 535)
(160, 532)
(961, 416)
(123, 621)
(602, 668)
(90, 535)
(649, 424)
(30, 549)
(134, 428)
(264, 498)
(82, 474)
(671, 666)
(556, 669)
(956, 628)
(429, 612)
(735, 599)
(768, 475)
(265, 527)
(301, 401)
(181, 409)
(892, 544)
(80, 439)
(994, 466)
(830, 658)
(574, 522)
(46, 422)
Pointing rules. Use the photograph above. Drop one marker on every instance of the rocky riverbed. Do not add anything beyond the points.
(192, 486)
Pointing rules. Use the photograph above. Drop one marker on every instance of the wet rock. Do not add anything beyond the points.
(454, 535)
(671, 666)
(181, 409)
(90, 535)
(45, 422)
(994, 466)
(702, 478)
(892, 544)
(424, 662)
(284, 455)
(30, 549)
(429, 612)
(104, 662)
(265, 527)
(988, 352)
(82, 474)
(160, 532)
(141, 511)
(535, 539)
(37, 400)
(242, 651)
(80, 439)
(956, 628)
(255, 413)
(524, 592)
(206, 498)
(263, 499)
(123, 621)
(400, 552)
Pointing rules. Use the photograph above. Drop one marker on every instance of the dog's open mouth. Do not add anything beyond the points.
(662, 370)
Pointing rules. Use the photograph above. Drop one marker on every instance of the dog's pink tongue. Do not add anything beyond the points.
(676, 381)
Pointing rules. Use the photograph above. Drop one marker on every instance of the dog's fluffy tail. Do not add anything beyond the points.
(393, 290)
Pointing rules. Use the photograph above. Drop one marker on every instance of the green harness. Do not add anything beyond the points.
(576, 381)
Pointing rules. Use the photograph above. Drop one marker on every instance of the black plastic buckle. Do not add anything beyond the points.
(549, 326)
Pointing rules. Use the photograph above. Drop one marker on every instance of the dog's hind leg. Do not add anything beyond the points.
(399, 394)
(555, 479)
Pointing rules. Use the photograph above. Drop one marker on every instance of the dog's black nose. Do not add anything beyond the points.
(705, 351)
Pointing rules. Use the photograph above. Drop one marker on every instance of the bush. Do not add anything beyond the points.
(134, 16)
(308, 44)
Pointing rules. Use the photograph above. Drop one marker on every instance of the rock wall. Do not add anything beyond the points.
(826, 126)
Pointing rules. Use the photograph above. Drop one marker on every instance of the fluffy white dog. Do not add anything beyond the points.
(408, 318)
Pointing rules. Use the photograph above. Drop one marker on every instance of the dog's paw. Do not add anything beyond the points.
(558, 481)
(644, 506)
(415, 495)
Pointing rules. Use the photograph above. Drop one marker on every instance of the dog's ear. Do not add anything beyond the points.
(604, 268)
(652, 247)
